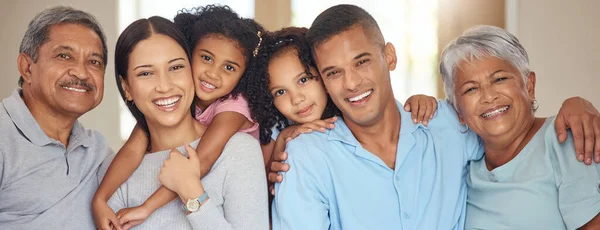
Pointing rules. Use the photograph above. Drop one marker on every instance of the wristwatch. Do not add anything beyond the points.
(193, 205)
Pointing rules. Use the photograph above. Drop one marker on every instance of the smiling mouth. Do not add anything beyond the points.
(495, 112)
(306, 111)
(208, 85)
(360, 97)
(167, 102)
(75, 89)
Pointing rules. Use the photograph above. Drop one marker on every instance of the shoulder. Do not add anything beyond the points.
(242, 145)
(445, 115)
(98, 142)
(309, 149)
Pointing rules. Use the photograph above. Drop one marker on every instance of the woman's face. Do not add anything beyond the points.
(299, 96)
(492, 98)
(160, 80)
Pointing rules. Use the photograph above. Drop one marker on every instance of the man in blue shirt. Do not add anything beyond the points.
(368, 172)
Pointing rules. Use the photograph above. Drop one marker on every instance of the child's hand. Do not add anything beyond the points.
(422, 108)
(130, 217)
(104, 216)
(178, 171)
(292, 132)
(275, 167)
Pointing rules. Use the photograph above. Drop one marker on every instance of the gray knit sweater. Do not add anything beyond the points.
(236, 185)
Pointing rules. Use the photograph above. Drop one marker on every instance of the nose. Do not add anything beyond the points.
(297, 97)
(165, 84)
(351, 80)
(211, 72)
(78, 70)
(488, 94)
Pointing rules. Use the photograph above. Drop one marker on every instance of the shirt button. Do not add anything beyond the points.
(406, 215)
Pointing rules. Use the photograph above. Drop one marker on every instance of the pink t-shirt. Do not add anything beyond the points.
(239, 105)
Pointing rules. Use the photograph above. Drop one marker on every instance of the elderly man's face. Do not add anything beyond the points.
(492, 98)
(68, 76)
(356, 74)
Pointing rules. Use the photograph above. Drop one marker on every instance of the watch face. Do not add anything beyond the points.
(192, 205)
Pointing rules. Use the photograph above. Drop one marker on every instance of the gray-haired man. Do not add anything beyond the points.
(48, 161)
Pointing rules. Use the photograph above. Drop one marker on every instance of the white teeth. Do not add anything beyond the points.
(360, 97)
(208, 85)
(75, 89)
(495, 112)
(169, 102)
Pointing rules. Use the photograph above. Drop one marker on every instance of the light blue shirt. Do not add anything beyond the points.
(543, 187)
(334, 183)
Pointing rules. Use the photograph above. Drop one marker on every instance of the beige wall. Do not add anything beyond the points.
(14, 18)
(561, 38)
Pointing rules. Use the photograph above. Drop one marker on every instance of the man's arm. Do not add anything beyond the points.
(583, 119)
(301, 201)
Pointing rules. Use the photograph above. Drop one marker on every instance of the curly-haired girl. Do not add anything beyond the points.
(223, 45)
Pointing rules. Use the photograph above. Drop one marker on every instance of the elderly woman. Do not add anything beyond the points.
(526, 180)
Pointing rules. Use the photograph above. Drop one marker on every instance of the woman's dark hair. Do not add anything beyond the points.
(216, 20)
(138, 31)
(261, 100)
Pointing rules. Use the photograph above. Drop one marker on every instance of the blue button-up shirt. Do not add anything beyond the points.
(334, 183)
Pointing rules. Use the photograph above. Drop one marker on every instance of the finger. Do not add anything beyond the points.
(323, 124)
(192, 154)
(422, 112)
(331, 119)
(407, 106)
(560, 125)
(596, 124)
(427, 114)
(588, 131)
(275, 178)
(578, 137)
(127, 226)
(319, 125)
(279, 167)
(300, 130)
(414, 110)
(280, 156)
(272, 189)
(115, 223)
(435, 105)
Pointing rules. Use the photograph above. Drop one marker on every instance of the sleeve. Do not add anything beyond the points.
(577, 183)
(300, 201)
(238, 105)
(473, 149)
(244, 190)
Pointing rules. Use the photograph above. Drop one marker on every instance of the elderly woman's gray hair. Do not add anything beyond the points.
(479, 42)
(38, 31)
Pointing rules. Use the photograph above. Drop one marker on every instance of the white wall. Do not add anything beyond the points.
(14, 18)
(561, 38)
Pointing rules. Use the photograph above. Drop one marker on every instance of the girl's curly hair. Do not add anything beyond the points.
(200, 22)
(260, 99)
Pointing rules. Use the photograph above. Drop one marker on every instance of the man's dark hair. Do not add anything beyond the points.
(341, 18)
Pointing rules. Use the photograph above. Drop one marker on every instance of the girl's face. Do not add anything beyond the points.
(299, 96)
(159, 80)
(217, 66)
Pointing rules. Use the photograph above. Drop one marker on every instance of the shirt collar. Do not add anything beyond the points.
(24, 121)
(342, 133)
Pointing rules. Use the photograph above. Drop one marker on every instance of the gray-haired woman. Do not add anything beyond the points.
(527, 180)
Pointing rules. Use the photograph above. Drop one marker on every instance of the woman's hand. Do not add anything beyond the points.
(422, 108)
(182, 175)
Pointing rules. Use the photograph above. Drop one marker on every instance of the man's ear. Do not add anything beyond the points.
(389, 52)
(125, 87)
(531, 85)
(24, 64)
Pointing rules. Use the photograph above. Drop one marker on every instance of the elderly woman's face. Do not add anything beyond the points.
(492, 98)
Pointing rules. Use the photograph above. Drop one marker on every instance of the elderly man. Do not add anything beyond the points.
(376, 169)
(48, 161)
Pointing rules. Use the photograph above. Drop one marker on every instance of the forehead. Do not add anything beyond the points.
(285, 64)
(75, 36)
(483, 67)
(221, 46)
(158, 48)
(344, 46)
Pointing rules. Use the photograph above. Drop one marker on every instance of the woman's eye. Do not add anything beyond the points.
(500, 79)
(143, 74)
(279, 92)
(177, 67)
(470, 90)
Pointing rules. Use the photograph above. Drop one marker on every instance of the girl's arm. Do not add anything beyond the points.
(222, 127)
(126, 161)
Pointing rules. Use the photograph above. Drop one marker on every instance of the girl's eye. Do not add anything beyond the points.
(229, 68)
(303, 80)
(206, 58)
(279, 92)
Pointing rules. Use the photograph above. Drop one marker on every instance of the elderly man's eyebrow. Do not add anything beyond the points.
(64, 47)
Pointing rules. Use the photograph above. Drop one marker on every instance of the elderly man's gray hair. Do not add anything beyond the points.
(39, 29)
(479, 42)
